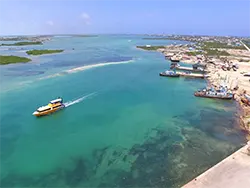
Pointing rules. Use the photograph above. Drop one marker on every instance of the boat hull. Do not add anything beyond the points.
(169, 75)
(174, 60)
(198, 94)
(38, 114)
(245, 101)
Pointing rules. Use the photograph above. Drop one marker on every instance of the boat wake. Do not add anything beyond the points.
(70, 103)
(71, 71)
(83, 68)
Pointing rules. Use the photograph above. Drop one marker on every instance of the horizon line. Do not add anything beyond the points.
(96, 34)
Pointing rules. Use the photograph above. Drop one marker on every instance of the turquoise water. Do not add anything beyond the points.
(124, 125)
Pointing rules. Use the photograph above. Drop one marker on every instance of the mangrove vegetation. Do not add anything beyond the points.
(41, 52)
(8, 59)
(23, 43)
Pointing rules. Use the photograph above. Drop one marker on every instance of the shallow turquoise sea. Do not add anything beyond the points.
(124, 125)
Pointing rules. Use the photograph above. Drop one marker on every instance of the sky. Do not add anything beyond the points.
(195, 17)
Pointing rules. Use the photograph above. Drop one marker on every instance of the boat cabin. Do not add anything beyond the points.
(43, 109)
(59, 100)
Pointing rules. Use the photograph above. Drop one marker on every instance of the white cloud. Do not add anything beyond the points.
(86, 18)
(51, 23)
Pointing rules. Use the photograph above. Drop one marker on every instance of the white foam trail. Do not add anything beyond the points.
(69, 103)
(82, 68)
(51, 76)
(70, 71)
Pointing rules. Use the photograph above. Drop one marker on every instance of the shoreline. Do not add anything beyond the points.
(217, 76)
(231, 172)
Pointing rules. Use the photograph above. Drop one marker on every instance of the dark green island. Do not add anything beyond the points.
(41, 52)
(23, 44)
(9, 59)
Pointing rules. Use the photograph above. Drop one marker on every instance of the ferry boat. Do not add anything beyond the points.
(52, 107)
(169, 74)
(217, 94)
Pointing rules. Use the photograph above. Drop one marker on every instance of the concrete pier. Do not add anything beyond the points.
(194, 75)
(185, 68)
(232, 172)
(244, 45)
(189, 69)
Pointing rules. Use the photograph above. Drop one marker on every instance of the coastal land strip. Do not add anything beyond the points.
(23, 43)
(9, 59)
(41, 38)
(227, 61)
(216, 54)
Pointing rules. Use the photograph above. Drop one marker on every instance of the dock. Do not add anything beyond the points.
(193, 75)
(184, 68)
(232, 172)
(245, 45)
(188, 69)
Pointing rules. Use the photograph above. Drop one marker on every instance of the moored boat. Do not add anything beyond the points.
(246, 99)
(173, 65)
(169, 74)
(176, 58)
(52, 107)
(168, 55)
(211, 93)
(247, 74)
(199, 65)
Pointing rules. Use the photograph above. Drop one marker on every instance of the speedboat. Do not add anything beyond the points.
(52, 107)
